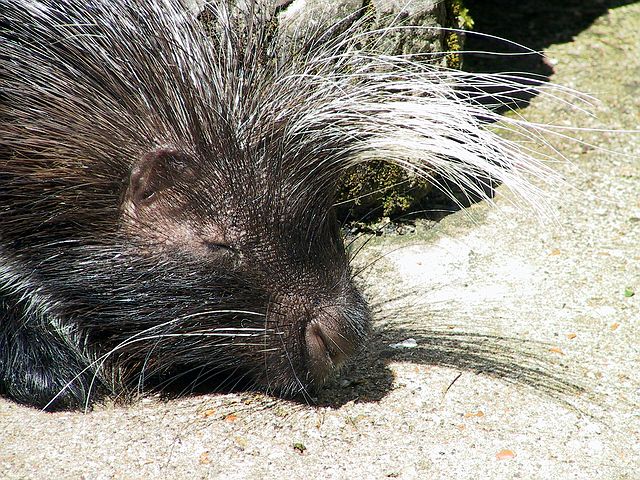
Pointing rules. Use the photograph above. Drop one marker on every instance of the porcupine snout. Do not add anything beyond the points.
(317, 339)
(322, 321)
(333, 336)
(326, 349)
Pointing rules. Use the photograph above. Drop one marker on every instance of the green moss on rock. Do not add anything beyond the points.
(381, 189)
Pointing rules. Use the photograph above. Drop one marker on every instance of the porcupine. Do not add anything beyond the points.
(166, 193)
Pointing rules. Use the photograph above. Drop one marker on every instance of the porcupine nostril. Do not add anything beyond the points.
(327, 349)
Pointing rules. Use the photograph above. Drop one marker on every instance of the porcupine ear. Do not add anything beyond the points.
(156, 172)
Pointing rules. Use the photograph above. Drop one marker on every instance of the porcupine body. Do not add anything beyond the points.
(166, 194)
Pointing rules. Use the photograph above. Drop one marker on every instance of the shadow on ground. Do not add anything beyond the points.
(523, 362)
(535, 24)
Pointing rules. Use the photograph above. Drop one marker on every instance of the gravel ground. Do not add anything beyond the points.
(524, 359)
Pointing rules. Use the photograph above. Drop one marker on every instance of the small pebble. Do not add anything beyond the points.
(408, 343)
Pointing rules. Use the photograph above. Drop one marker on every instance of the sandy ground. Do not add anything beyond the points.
(525, 362)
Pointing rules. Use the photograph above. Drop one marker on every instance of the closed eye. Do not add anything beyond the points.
(221, 247)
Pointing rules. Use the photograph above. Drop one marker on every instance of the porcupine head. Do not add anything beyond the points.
(166, 206)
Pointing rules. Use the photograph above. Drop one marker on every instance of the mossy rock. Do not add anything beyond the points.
(379, 189)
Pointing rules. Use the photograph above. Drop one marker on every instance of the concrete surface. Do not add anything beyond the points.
(525, 362)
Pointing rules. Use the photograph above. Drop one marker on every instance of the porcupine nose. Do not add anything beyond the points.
(327, 349)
